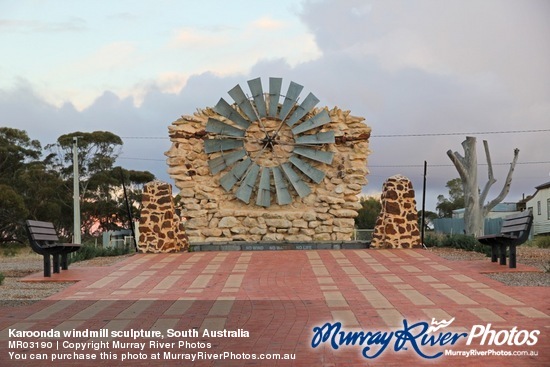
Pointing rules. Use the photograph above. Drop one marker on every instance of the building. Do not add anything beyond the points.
(539, 204)
(500, 210)
(492, 223)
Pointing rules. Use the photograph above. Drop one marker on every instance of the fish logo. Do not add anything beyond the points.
(439, 325)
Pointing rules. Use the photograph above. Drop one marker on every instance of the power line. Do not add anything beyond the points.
(450, 165)
(461, 133)
(394, 135)
(373, 166)
(142, 159)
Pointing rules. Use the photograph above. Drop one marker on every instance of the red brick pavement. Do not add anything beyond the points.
(278, 298)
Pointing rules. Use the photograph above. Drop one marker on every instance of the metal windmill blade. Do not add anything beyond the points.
(223, 108)
(218, 127)
(264, 188)
(220, 163)
(299, 185)
(255, 86)
(229, 180)
(283, 195)
(316, 155)
(326, 137)
(221, 145)
(247, 186)
(242, 101)
(318, 120)
(306, 106)
(275, 85)
(291, 97)
(310, 171)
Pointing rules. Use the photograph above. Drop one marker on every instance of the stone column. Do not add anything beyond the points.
(161, 229)
(397, 223)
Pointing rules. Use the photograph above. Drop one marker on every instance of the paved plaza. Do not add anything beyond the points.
(272, 300)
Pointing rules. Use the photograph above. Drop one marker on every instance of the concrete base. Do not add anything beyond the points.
(276, 246)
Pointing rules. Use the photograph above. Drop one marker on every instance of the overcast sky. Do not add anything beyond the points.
(438, 69)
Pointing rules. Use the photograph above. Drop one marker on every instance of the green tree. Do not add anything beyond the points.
(46, 196)
(17, 153)
(97, 153)
(102, 199)
(16, 150)
(445, 206)
(370, 208)
(12, 214)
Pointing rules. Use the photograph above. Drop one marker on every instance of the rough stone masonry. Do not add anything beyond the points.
(326, 214)
(160, 228)
(397, 223)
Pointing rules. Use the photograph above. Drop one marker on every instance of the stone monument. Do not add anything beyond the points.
(160, 228)
(267, 168)
(397, 223)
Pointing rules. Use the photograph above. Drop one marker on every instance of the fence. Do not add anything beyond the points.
(363, 234)
(456, 225)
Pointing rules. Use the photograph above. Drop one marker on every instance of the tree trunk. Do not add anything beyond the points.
(474, 210)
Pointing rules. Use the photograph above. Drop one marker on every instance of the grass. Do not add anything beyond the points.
(86, 252)
(12, 249)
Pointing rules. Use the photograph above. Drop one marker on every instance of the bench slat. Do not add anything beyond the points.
(50, 231)
(45, 237)
(39, 223)
(522, 220)
(524, 214)
(514, 229)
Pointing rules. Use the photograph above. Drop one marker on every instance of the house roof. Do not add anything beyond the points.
(543, 186)
(539, 187)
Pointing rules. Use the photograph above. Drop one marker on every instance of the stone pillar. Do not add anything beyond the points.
(160, 228)
(397, 223)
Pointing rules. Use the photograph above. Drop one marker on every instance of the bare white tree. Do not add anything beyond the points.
(475, 209)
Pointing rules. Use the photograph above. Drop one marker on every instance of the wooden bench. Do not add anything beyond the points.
(514, 231)
(44, 241)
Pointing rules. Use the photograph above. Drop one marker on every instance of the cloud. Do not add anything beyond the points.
(73, 24)
(426, 67)
(195, 39)
(268, 24)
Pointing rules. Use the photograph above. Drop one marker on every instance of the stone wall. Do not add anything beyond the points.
(397, 223)
(327, 213)
(160, 228)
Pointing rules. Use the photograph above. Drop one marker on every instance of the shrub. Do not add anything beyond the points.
(542, 241)
(433, 239)
(458, 241)
(1, 278)
(88, 251)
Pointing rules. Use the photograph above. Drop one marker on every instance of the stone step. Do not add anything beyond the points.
(276, 246)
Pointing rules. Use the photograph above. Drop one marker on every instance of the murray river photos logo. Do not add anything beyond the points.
(419, 337)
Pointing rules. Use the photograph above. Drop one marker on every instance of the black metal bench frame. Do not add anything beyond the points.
(44, 241)
(515, 230)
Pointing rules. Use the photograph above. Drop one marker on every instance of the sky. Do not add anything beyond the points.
(423, 73)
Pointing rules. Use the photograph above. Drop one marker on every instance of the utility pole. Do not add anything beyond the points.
(76, 193)
(423, 221)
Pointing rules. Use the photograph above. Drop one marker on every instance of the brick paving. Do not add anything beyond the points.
(278, 297)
